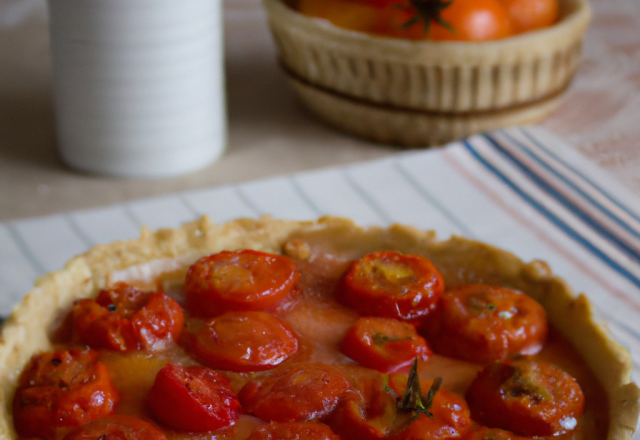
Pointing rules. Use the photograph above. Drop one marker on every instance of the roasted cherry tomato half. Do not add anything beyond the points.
(526, 397)
(391, 285)
(384, 344)
(242, 341)
(305, 392)
(484, 433)
(238, 280)
(195, 399)
(481, 323)
(369, 414)
(117, 427)
(62, 389)
(293, 431)
(451, 419)
(124, 318)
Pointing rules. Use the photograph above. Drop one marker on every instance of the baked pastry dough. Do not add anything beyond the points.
(459, 260)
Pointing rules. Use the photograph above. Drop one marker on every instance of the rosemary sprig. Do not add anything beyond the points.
(412, 399)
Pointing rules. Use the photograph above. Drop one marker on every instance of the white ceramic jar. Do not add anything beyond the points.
(138, 85)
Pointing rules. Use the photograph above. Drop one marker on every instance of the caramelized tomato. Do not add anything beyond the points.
(450, 412)
(484, 433)
(243, 341)
(305, 392)
(481, 323)
(194, 399)
(391, 285)
(238, 280)
(371, 413)
(117, 427)
(62, 389)
(526, 397)
(124, 318)
(384, 344)
(293, 431)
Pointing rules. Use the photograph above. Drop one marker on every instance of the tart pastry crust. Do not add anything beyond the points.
(26, 331)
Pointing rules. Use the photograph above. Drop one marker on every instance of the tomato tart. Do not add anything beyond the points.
(272, 329)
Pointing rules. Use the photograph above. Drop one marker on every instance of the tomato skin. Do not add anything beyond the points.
(195, 399)
(304, 392)
(231, 341)
(482, 323)
(451, 416)
(473, 20)
(369, 414)
(355, 16)
(293, 431)
(484, 433)
(238, 280)
(526, 397)
(384, 344)
(62, 389)
(527, 15)
(124, 318)
(117, 427)
(391, 285)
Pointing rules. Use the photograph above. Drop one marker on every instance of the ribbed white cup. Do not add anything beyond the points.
(138, 85)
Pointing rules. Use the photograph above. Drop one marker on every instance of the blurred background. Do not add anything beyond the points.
(269, 132)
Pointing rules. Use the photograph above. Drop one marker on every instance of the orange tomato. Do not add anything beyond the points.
(473, 20)
(354, 16)
(528, 15)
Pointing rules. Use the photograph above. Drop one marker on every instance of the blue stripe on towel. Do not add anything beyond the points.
(553, 218)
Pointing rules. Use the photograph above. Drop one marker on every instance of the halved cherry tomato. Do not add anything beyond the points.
(484, 433)
(195, 399)
(384, 344)
(238, 280)
(243, 341)
(61, 389)
(371, 413)
(451, 419)
(124, 318)
(526, 397)
(117, 427)
(527, 15)
(472, 20)
(481, 323)
(293, 431)
(391, 285)
(304, 392)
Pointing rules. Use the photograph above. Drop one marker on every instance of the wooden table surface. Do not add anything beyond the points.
(269, 132)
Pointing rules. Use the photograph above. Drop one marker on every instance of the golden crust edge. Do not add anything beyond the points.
(572, 315)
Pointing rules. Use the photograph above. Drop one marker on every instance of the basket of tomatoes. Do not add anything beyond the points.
(425, 72)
